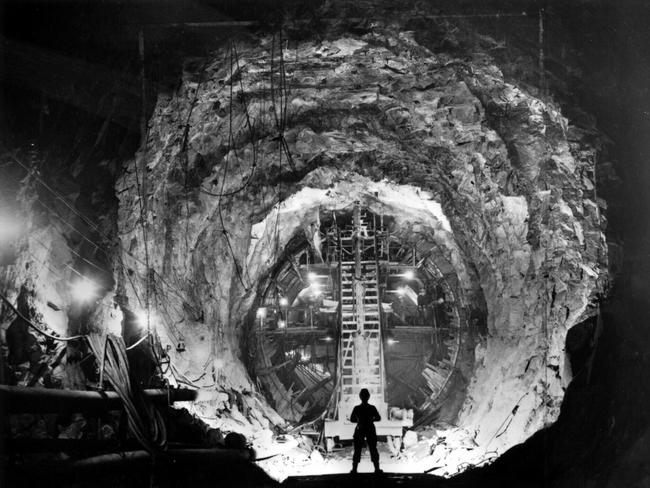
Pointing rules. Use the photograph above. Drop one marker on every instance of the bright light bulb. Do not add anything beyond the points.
(284, 302)
(401, 291)
(311, 276)
(84, 290)
(281, 324)
(409, 274)
(390, 341)
(261, 313)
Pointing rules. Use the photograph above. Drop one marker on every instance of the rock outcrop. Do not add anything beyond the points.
(257, 140)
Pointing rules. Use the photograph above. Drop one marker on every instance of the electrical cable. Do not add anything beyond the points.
(106, 306)
(151, 435)
(500, 430)
(138, 342)
(254, 142)
(98, 230)
(60, 276)
(143, 215)
(120, 262)
(30, 324)
(117, 365)
(79, 274)
(223, 182)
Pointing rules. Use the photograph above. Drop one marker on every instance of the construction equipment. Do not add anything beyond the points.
(360, 355)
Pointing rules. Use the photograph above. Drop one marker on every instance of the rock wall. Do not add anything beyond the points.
(54, 235)
(257, 139)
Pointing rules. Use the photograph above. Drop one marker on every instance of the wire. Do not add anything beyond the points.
(116, 366)
(138, 342)
(152, 435)
(500, 430)
(61, 277)
(254, 141)
(120, 263)
(30, 324)
(98, 230)
(82, 235)
(143, 216)
(223, 182)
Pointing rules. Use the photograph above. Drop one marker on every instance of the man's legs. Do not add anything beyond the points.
(372, 447)
(358, 445)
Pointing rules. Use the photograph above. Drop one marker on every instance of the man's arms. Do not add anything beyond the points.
(368, 414)
(354, 417)
(375, 417)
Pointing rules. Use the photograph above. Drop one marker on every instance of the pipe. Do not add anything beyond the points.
(18, 399)
(88, 446)
(224, 464)
(203, 456)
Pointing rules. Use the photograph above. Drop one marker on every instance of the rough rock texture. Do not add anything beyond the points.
(497, 178)
(48, 239)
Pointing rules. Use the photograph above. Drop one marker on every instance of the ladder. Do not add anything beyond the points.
(361, 362)
(361, 356)
(361, 346)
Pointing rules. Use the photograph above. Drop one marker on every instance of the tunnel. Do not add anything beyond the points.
(210, 252)
(425, 326)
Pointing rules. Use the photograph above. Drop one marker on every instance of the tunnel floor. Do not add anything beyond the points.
(339, 462)
(364, 479)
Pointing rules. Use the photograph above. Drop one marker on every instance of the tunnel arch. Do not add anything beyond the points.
(434, 373)
(438, 147)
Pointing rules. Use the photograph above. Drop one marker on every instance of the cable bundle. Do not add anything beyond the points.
(145, 421)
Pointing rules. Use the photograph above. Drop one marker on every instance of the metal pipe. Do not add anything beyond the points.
(19, 399)
(203, 455)
(137, 459)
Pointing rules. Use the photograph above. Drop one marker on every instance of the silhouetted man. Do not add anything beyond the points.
(365, 415)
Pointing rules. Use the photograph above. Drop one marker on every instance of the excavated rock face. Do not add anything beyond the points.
(257, 141)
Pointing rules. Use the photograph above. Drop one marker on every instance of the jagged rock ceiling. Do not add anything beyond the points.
(258, 139)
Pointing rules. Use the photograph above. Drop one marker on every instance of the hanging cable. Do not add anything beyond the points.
(143, 216)
(151, 435)
(253, 138)
(94, 227)
(138, 342)
(238, 270)
(31, 324)
(86, 238)
(176, 333)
